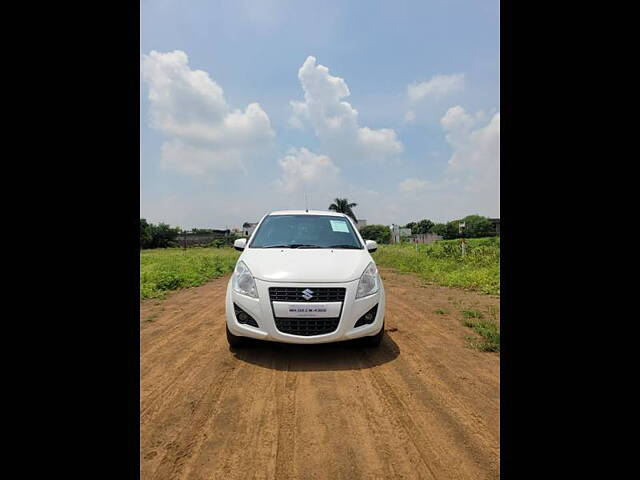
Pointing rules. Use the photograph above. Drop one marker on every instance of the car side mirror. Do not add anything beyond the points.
(371, 245)
(240, 244)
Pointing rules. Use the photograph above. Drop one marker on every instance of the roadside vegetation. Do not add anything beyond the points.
(489, 332)
(162, 270)
(442, 262)
(487, 328)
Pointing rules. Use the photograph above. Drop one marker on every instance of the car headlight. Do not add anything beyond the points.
(243, 282)
(369, 281)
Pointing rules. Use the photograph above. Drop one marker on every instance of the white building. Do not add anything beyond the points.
(397, 232)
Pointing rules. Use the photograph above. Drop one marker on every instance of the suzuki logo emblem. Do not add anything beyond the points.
(307, 294)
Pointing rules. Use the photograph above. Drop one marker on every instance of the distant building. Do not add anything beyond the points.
(248, 228)
(398, 232)
(361, 223)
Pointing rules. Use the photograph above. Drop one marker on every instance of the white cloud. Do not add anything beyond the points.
(192, 160)
(438, 86)
(189, 107)
(334, 121)
(305, 170)
(469, 184)
(412, 184)
(300, 111)
(474, 147)
(381, 142)
(456, 119)
(410, 116)
(475, 160)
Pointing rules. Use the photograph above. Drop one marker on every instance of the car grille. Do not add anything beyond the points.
(307, 327)
(295, 294)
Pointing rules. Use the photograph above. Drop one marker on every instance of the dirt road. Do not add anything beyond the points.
(423, 405)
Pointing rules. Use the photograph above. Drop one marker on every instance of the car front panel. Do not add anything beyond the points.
(295, 312)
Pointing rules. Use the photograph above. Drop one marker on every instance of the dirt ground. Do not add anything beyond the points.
(423, 405)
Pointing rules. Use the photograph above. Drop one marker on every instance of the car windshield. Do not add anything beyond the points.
(305, 231)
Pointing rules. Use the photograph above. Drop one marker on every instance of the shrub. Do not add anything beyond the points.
(379, 233)
(157, 236)
(442, 262)
(162, 270)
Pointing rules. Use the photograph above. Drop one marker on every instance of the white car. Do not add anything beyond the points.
(305, 277)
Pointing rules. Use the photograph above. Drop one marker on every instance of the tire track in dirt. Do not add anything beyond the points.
(423, 405)
(286, 387)
(469, 382)
(182, 448)
(163, 366)
(439, 394)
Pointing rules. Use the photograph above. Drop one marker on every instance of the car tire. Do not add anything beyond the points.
(374, 340)
(235, 341)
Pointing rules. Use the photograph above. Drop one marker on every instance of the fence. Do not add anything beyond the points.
(424, 238)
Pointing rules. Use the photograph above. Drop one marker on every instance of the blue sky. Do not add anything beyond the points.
(248, 105)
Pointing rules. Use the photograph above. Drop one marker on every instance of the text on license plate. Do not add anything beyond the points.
(293, 309)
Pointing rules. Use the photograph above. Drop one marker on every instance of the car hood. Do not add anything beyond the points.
(306, 265)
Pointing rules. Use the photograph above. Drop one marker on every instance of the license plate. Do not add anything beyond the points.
(306, 310)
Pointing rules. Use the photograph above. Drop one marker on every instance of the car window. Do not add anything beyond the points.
(305, 231)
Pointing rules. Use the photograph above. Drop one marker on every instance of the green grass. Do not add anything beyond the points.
(472, 314)
(440, 311)
(489, 332)
(162, 270)
(442, 262)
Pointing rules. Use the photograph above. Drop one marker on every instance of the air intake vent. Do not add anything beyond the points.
(244, 317)
(307, 327)
(367, 318)
(306, 294)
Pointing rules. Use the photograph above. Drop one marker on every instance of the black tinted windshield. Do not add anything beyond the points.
(305, 231)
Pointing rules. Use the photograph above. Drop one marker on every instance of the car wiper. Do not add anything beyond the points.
(345, 246)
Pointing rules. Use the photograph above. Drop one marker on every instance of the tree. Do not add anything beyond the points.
(412, 226)
(423, 226)
(145, 233)
(157, 236)
(452, 230)
(439, 229)
(379, 233)
(164, 236)
(477, 226)
(342, 205)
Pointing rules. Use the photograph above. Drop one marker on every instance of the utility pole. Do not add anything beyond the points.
(461, 227)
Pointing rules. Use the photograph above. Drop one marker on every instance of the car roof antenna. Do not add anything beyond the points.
(306, 204)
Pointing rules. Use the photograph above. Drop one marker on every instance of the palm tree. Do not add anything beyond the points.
(342, 205)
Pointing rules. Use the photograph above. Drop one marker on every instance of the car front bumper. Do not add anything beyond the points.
(261, 310)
